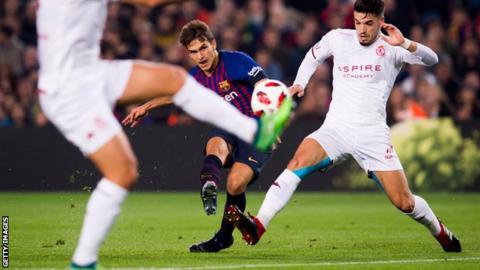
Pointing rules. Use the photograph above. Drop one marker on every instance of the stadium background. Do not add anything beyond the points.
(33, 156)
(330, 230)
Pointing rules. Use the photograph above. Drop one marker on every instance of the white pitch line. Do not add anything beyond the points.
(286, 265)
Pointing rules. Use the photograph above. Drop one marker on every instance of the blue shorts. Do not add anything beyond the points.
(242, 152)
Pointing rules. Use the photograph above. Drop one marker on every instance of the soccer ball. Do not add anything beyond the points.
(268, 96)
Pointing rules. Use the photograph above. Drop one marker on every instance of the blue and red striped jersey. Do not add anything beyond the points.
(233, 79)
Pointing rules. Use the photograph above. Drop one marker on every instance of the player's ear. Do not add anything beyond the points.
(214, 44)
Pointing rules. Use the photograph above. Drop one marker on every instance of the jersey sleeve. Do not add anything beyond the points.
(246, 69)
(314, 57)
(192, 71)
(322, 50)
(422, 56)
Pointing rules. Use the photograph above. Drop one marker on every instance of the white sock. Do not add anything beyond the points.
(207, 106)
(102, 209)
(278, 196)
(424, 215)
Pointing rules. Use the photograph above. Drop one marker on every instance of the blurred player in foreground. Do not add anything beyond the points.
(366, 63)
(78, 90)
(231, 75)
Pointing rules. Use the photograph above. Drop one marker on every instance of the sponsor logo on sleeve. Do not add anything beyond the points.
(254, 71)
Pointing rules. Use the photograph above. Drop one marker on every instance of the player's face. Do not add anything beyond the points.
(367, 27)
(204, 54)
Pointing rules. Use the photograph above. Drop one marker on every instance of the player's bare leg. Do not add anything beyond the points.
(309, 157)
(118, 165)
(237, 181)
(151, 80)
(396, 187)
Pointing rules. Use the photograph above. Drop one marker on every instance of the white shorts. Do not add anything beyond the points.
(82, 109)
(370, 146)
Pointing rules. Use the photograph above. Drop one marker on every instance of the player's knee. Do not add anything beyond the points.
(294, 164)
(236, 183)
(178, 77)
(220, 152)
(302, 167)
(404, 203)
(297, 163)
(128, 173)
(132, 172)
(178, 72)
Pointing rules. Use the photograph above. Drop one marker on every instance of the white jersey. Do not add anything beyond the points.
(363, 76)
(69, 33)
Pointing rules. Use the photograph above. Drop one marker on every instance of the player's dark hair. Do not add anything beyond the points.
(374, 7)
(195, 29)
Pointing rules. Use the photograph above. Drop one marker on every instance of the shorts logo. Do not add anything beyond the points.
(100, 123)
(389, 153)
(380, 50)
(250, 158)
(224, 85)
(90, 135)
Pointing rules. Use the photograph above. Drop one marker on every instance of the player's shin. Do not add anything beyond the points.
(211, 170)
(205, 105)
(424, 215)
(238, 200)
(282, 190)
(102, 209)
(278, 196)
(209, 179)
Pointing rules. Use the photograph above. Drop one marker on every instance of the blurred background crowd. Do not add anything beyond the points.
(277, 33)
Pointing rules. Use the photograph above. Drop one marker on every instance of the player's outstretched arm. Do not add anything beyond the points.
(396, 38)
(137, 114)
(152, 3)
(313, 58)
(304, 73)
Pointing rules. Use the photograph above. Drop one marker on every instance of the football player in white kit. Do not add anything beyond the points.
(366, 63)
(78, 90)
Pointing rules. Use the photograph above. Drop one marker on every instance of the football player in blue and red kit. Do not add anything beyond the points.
(232, 75)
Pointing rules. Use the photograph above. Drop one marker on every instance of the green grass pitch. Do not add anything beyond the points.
(316, 230)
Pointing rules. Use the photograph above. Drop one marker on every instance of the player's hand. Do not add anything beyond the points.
(277, 143)
(135, 116)
(296, 89)
(395, 37)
